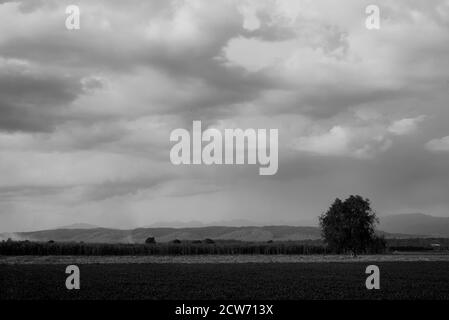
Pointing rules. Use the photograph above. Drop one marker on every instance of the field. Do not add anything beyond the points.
(206, 246)
(162, 249)
(214, 280)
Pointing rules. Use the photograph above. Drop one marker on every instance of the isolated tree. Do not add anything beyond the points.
(349, 225)
(150, 240)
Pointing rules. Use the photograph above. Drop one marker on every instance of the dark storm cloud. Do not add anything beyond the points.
(34, 101)
(123, 50)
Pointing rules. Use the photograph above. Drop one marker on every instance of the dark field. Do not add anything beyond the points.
(271, 281)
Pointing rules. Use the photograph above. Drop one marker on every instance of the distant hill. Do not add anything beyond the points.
(415, 223)
(104, 235)
(224, 223)
(79, 226)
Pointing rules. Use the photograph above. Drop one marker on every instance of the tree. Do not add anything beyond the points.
(150, 240)
(350, 226)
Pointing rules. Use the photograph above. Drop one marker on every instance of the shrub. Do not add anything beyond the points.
(150, 240)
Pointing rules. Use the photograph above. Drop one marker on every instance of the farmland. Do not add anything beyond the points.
(221, 269)
(207, 246)
(306, 280)
(182, 248)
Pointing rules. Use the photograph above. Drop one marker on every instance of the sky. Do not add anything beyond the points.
(86, 115)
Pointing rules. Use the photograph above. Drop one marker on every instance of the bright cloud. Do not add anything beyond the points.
(405, 126)
(438, 145)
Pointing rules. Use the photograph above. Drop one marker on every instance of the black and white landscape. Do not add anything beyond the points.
(115, 156)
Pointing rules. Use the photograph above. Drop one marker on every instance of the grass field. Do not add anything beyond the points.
(205, 258)
(307, 280)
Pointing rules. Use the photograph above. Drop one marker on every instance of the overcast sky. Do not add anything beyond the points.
(86, 115)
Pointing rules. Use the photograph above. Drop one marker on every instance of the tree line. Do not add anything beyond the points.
(172, 248)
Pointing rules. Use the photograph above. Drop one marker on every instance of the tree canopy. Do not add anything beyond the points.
(349, 226)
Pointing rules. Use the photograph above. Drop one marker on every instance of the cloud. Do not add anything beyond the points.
(334, 142)
(344, 141)
(85, 115)
(32, 98)
(438, 145)
(329, 63)
(405, 126)
(29, 168)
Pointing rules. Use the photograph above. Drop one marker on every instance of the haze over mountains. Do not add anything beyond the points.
(396, 226)
(415, 223)
(232, 223)
(79, 226)
(139, 235)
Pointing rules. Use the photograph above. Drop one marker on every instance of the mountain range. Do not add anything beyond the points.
(396, 226)
(415, 224)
